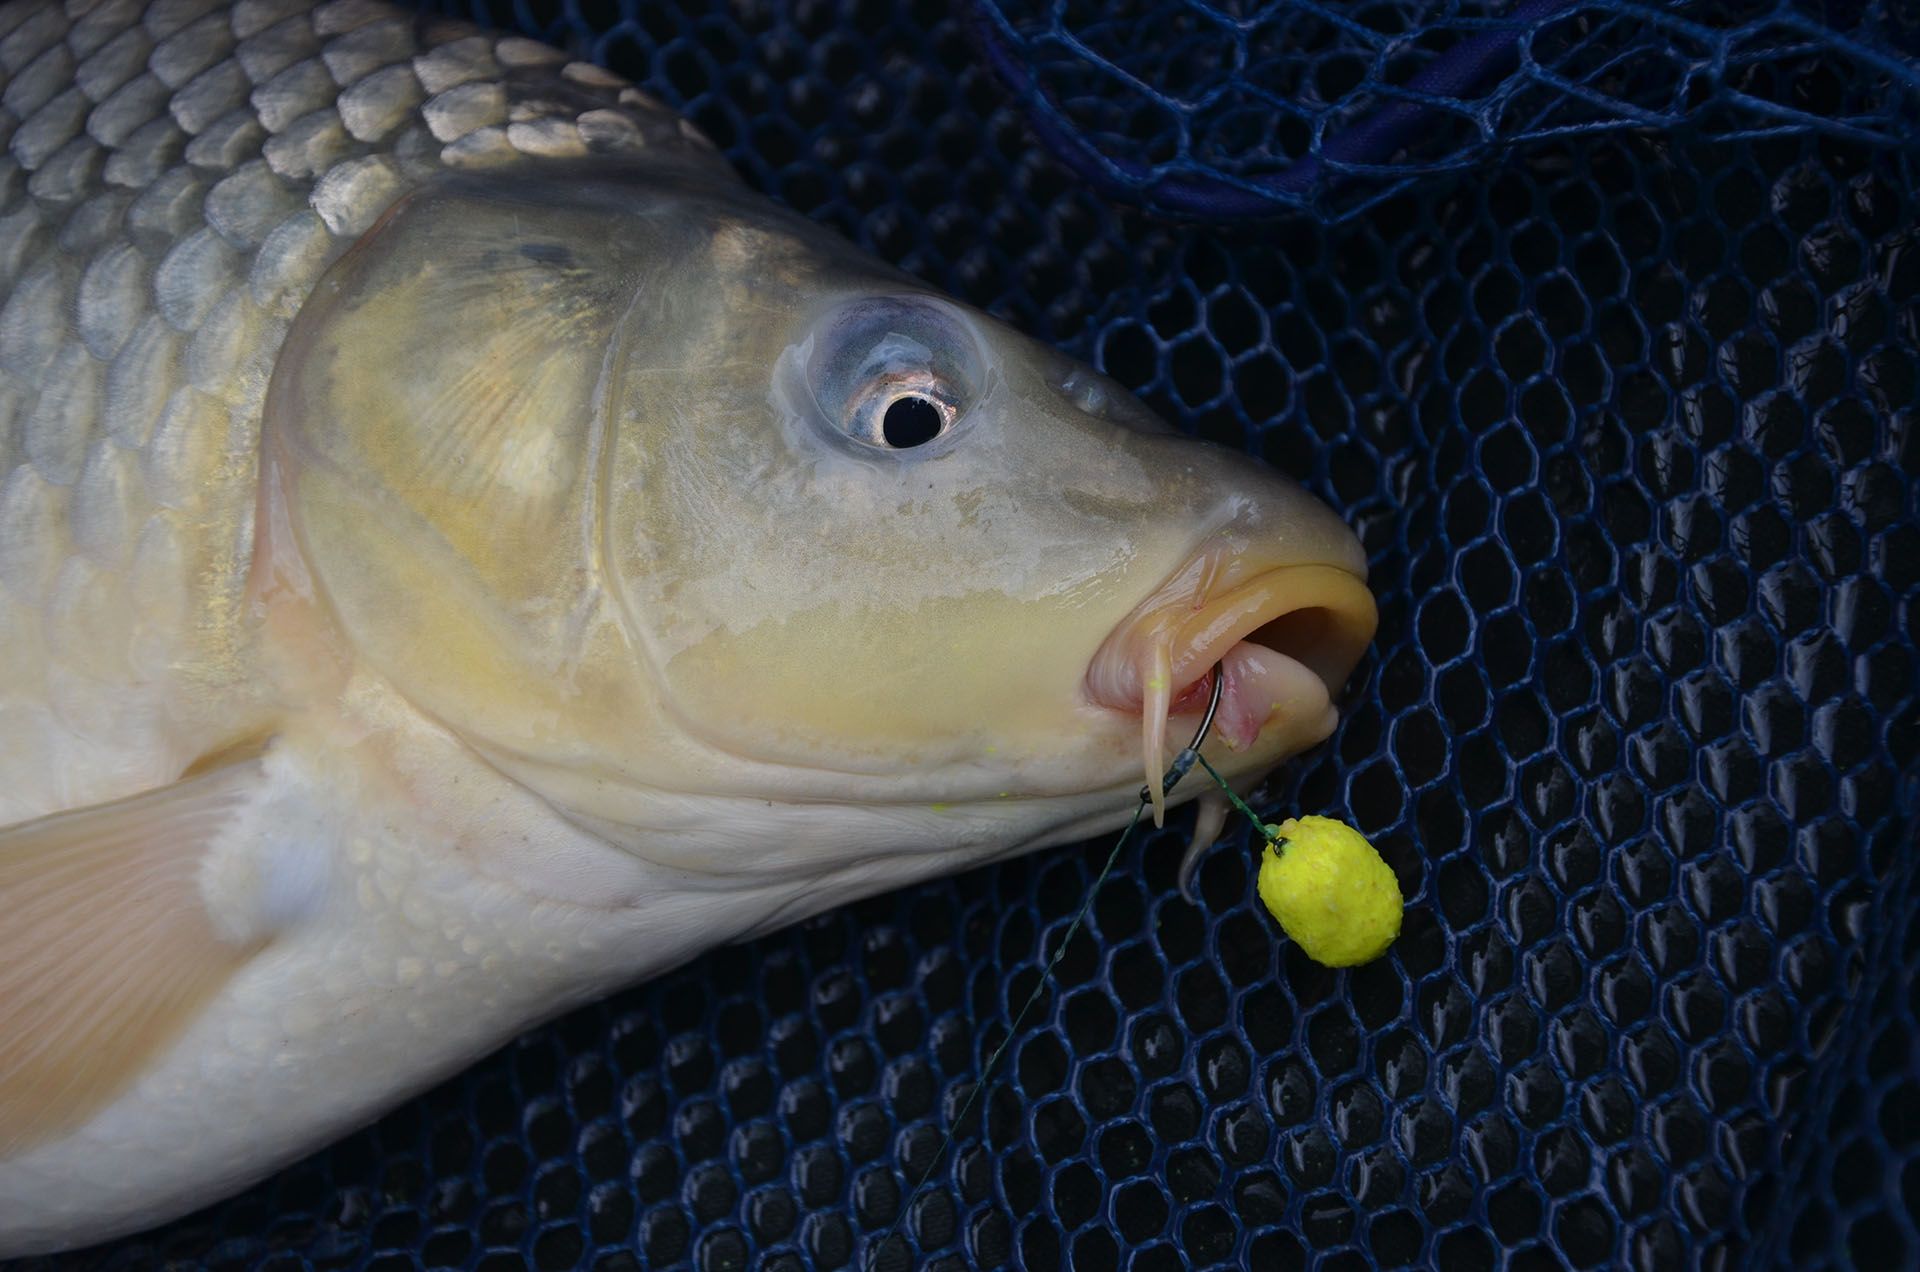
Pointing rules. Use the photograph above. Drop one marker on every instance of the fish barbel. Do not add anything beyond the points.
(462, 552)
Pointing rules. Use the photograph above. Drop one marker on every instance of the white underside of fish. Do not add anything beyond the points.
(400, 942)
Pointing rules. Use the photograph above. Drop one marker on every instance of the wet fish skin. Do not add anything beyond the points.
(176, 178)
(429, 601)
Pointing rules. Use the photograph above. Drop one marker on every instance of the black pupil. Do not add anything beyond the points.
(910, 421)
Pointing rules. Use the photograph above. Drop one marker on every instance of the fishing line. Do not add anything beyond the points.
(1182, 765)
(1240, 805)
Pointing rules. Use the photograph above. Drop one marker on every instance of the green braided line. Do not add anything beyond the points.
(1241, 805)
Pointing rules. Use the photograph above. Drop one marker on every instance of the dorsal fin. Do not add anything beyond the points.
(107, 950)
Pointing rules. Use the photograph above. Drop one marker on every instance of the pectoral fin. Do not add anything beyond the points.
(107, 952)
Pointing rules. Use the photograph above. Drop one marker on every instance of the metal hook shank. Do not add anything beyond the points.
(1183, 763)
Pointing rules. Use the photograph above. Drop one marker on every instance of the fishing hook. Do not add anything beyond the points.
(1183, 763)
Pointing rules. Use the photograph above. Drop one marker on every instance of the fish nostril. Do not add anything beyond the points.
(1092, 393)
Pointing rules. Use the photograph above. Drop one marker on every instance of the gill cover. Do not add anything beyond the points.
(433, 438)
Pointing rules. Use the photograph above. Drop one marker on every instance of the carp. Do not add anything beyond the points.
(463, 552)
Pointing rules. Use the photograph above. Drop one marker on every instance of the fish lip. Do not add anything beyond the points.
(1309, 618)
(1203, 611)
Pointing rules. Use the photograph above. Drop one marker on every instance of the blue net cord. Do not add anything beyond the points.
(1178, 132)
(1367, 143)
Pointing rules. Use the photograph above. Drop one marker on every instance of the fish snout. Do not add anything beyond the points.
(1319, 615)
(1281, 635)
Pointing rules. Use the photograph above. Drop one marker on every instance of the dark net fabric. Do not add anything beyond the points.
(1627, 424)
(1248, 106)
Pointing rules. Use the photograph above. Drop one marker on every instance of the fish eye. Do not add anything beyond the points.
(903, 410)
(911, 420)
(894, 374)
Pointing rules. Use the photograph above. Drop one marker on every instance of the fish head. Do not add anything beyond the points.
(751, 553)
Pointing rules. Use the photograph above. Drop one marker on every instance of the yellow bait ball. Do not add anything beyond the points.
(1330, 890)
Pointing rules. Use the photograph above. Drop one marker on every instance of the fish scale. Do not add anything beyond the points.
(176, 177)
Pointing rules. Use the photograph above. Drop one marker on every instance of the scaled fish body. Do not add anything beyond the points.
(461, 552)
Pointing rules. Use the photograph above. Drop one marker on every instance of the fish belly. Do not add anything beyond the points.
(177, 176)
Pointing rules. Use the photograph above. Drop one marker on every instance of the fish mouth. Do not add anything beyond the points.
(1284, 639)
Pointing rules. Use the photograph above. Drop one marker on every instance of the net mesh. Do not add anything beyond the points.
(1239, 109)
(1626, 422)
